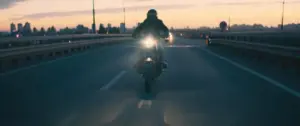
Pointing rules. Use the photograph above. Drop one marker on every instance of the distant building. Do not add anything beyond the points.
(122, 28)
(12, 28)
(94, 28)
(108, 27)
(27, 27)
(102, 29)
(20, 27)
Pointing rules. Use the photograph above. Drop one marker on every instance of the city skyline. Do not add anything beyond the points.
(177, 14)
(18, 27)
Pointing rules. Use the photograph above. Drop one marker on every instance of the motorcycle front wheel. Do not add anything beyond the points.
(147, 85)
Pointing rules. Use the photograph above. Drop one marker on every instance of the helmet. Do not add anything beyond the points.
(152, 12)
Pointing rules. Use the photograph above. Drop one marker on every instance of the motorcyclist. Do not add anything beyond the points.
(154, 26)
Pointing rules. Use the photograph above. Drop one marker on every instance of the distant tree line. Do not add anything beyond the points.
(79, 29)
(40, 32)
(247, 27)
(112, 30)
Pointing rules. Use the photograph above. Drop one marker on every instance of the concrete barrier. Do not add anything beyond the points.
(27, 56)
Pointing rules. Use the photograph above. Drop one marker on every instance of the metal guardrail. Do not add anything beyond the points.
(280, 43)
(37, 40)
(3, 51)
(271, 38)
(288, 51)
(32, 38)
(15, 58)
(285, 57)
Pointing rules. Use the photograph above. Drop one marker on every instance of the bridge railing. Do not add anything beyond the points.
(283, 43)
(271, 38)
(24, 56)
(37, 40)
(281, 46)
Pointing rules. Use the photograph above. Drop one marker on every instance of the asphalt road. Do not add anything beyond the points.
(100, 88)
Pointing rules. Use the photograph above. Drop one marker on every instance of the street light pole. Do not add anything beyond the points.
(94, 20)
(229, 24)
(124, 12)
(282, 15)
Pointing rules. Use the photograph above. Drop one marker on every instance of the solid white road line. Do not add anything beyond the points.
(275, 83)
(113, 81)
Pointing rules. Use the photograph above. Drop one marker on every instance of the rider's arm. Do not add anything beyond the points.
(164, 28)
(138, 29)
(134, 34)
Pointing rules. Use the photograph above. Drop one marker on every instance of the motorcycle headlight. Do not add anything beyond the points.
(148, 59)
(149, 42)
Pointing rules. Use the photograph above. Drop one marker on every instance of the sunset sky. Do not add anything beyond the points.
(176, 13)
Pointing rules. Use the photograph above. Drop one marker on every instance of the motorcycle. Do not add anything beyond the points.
(150, 67)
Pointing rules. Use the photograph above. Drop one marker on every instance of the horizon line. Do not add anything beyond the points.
(211, 27)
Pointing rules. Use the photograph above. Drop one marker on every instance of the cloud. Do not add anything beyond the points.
(238, 3)
(139, 0)
(249, 3)
(4, 4)
(242, 3)
(292, 1)
(107, 10)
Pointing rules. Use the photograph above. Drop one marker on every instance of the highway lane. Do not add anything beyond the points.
(99, 87)
(55, 86)
(287, 74)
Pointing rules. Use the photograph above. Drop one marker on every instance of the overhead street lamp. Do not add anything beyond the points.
(229, 24)
(124, 11)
